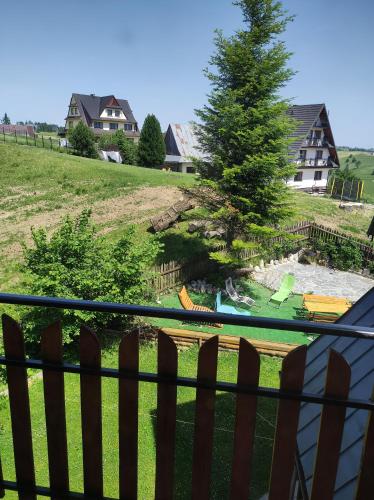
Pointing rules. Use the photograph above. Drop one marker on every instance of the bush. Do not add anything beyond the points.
(76, 263)
(344, 255)
(82, 140)
(127, 148)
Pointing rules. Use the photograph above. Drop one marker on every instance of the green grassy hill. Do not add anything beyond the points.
(364, 172)
(38, 187)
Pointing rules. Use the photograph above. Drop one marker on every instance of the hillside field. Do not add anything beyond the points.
(364, 172)
(38, 187)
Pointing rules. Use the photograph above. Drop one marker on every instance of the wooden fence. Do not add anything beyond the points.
(246, 392)
(172, 274)
(36, 140)
(317, 231)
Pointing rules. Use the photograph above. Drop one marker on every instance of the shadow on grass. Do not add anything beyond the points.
(180, 246)
(222, 447)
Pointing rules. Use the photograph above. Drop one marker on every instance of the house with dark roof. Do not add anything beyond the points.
(102, 114)
(359, 353)
(182, 146)
(313, 149)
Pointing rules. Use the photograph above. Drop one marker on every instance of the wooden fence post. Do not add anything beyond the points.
(204, 421)
(90, 357)
(54, 397)
(167, 361)
(245, 421)
(331, 428)
(19, 408)
(128, 391)
(284, 450)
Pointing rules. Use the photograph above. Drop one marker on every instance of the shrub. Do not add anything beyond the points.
(82, 140)
(76, 263)
(127, 147)
(341, 255)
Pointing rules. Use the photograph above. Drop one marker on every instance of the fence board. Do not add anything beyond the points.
(204, 421)
(128, 417)
(54, 397)
(245, 420)
(90, 357)
(365, 485)
(331, 428)
(19, 408)
(166, 418)
(284, 449)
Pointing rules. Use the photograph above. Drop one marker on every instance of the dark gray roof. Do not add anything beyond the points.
(91, 106)
(359, 353)
(306, 115)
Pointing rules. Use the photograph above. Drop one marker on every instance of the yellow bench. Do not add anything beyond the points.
(187, 304)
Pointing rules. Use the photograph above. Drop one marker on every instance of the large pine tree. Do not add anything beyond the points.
(245, 130)
(151, 151)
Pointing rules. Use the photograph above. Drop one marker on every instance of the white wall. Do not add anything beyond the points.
(308, 178)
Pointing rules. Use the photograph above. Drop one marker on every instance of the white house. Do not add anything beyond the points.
(313, 150)
(102, 114)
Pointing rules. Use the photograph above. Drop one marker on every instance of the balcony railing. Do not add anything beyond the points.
(314, 142)
(334, 404)
(315, 162)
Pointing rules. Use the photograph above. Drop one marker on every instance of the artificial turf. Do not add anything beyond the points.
(288, 310)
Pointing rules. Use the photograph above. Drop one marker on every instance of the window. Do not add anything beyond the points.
(317, 134)
(302, 154)
(98, 124)
(128, 126)
(319, 154)
(113, 126)
(109, 112)
(116, 113)
(71, 124)
(73, 111)
(318, 175)
(298, 177)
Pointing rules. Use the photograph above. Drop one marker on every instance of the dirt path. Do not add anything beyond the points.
(136, 206)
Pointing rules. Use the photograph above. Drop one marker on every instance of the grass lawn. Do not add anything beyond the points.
(288, 310)
(326, 211)
(364, 172)
(38, 187)
(223, 434)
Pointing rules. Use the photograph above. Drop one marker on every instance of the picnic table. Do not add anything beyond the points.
(325, 308)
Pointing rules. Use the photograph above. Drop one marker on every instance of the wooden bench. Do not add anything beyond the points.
(187, 304)
(322, 317)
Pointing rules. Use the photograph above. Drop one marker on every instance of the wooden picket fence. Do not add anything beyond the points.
(172, 274)
(246, 392)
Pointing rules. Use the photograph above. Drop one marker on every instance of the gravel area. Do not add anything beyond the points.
(317, 279)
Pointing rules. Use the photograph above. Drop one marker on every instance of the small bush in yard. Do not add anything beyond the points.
(76, 263)
(343, 256)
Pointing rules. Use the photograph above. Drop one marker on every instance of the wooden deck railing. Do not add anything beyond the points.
(335, 401)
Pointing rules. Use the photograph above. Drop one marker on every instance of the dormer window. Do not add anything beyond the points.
(109, 112)
(116, 113)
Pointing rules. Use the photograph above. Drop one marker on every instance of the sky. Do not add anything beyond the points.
(153, 52)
